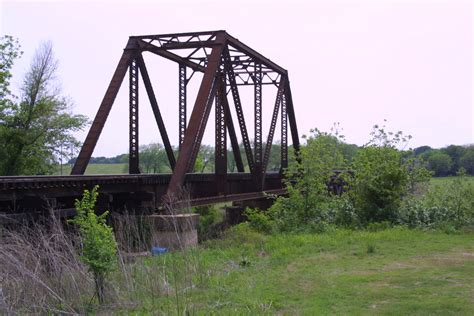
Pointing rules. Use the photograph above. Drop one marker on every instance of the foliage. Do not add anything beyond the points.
(35, 130)
(259, 221)
(153, 159)
(209, 216)
(439, 162)
(467, 160)
(308, 198)
(99, 248)
(448, 160)
(383, 178)
(9, 51)
(205, 159)
(379, 184)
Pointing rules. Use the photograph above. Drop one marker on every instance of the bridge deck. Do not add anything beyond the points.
(21, 194)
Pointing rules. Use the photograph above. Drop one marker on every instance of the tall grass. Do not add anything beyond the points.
(40, 270)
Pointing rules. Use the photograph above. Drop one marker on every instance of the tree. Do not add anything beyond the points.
(308, 199)
(205, 159)
(455, 152)
(9, 51)
(153, 159)
(99, 248)
(34, 130)
(467, 160)
(439, 162)
(420, 150)
(383, 176)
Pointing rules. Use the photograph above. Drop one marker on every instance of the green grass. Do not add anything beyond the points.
(394, 272)
(446, 180)
(99, 168)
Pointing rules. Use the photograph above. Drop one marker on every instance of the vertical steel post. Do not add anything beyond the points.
(133, 119)
(221, 137)
(284, 134)
(258, 176)
(182, 103)
(198, 120)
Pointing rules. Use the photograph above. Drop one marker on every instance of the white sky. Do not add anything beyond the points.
(353, 62)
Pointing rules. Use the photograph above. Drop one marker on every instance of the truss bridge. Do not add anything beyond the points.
(226, 66)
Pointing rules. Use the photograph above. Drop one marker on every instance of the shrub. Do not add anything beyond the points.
(259, 221)
(99, 248)
(383, 177)
(308, 198)
(450, 205)
(207, 220)
(380, 183)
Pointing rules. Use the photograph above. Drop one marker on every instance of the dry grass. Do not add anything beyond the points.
(40, 270)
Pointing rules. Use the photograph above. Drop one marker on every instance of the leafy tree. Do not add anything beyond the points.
(33, 130)
(205, 159)
(380, 183)
(308, 199)
(9, 51)
(99, 248)
(420, 150)
(439, 162)
(385, 176)
(455, 152)
(467, 160)
(153, 159)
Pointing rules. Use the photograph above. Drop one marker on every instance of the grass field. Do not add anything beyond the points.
(115, 168)
(394, 272)
(446, 180)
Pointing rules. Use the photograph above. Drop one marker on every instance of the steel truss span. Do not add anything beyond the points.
(226, 64)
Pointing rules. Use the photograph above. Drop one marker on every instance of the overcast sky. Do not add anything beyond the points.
(353, 62)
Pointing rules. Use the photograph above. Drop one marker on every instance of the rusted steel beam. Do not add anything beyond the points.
(98, 124)
(239, 111)
(254, 54)
(233, 137)
(258, 168)
(171, 56)
(273, 122)
(182, 103)
(198, 121)
(156, 112)
(284, 135)
(133, 157)
(232, 197)
(292, 118)
(220, 150)
(176, 35)
(186, 45)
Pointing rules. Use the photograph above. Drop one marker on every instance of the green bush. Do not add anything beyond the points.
(259, 221)
(99, 248)
(208, 218)
(380, 183)
(308, 201)
(450, 205)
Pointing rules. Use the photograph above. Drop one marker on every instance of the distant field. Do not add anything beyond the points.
(99, 168)
(447, 180)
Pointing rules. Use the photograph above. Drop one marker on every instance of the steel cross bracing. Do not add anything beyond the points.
(226, 64)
